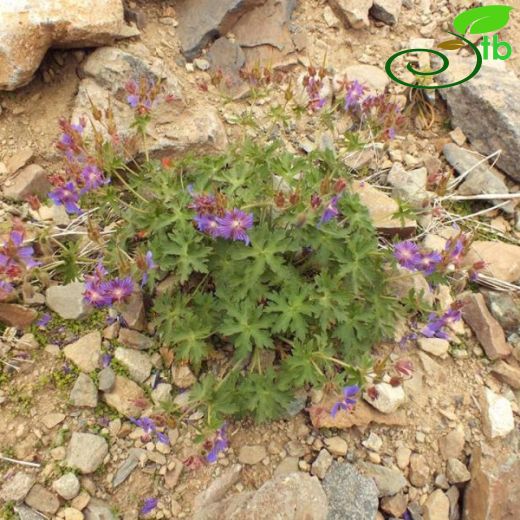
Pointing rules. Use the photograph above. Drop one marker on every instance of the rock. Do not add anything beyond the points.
(330, 18)
(162, 393)
(57, 23)
(133, 312)
(495, 107)
(288, 465)
(452, 444)
(386, 11)
(409, 186)
(486, 328)
(374, 442)
(16, 488)
(106, 379)
(337, 446)
(84, 392)
(353, 13)
(388, 481)
(351, 495)
(362, 415)
(72, 514)
(19, 160)
(419, 471)
(505, 308)
(67, 486)
(67, 300)
(251, 454)
(402, 457)
(226, 56)
(293, 497)
(86, 452)
(138, 363)
(126, 397)
(182, 376)
(128, 466)
(27, 342)
(42, 500)
(482, 179)
(134, 339)
(497, 415)
(174, 129)
(437, 506)
(434, 346)
(218, 488)
(494, 490)
(382, 209)
(200, 21)
(99, 510)
(387, 399)
(14, 315)
(85, 353)
(372, 77)
(322, 464)
(51, 420)
(26, 513)
(394, 506)
(506, 373)
(502, 260)
(31, 180)
(457, 472)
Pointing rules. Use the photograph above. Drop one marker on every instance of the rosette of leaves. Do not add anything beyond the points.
(283, 310)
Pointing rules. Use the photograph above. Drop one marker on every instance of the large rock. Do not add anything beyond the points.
(99, 510)
(497, 414)
(487, 110)
(351, 495)
(31, 180)
(482, 179)
(494, 490)
(509, 374)
(386, 10)
(382, 209)
(386, 398)
(389, 481)
(201, 21)
(486, 328)
(296, 496)
(138, 363)
(30, 27)
(15, 315)
(127, 397)
(218, 488)
(353, 13)
(502, 260)
(67, 300)
(16, 488)
(173, 129)
(437, 506)
(85, 353)
(42, 500)
(84, 392)
(368, 75)
(505, 308)
(86, 452)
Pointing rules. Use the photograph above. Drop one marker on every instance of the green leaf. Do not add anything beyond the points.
(247, 326)
(261, 395)
(292, 309)
(481, 20)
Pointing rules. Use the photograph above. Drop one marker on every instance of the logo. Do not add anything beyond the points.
(479, 20)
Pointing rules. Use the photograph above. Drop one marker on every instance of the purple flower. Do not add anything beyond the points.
(149, 265)
(106, 359)
(95, 293)
(145, 423)
(162, 437)
(234, 225)
(207, 224)
(92, 178)
(133, 100)
(5, 289)
(348, 402)
(149, 505)
(219, 444)
(407, 254)
(44, 320)
(391, 133)
(354, 92)
(428, 262)
(436, 324)
(455, 250)
(15, 252)
(118, 289)
(331, 210)
(67, 196)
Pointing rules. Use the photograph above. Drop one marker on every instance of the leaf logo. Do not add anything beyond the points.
(481, 20)
(451, 45)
